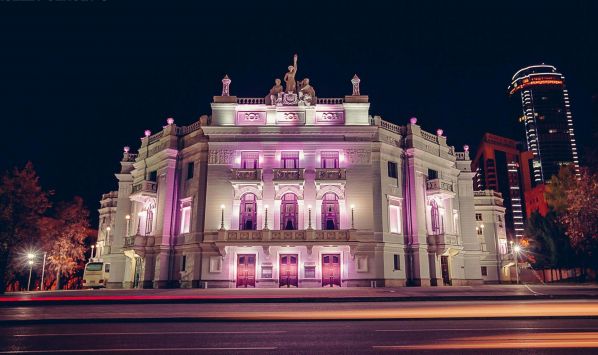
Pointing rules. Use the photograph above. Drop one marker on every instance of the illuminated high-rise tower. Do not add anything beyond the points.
(547, 117)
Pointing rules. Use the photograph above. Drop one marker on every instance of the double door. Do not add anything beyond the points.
(246, 270)
(288, 271)
(331, 270)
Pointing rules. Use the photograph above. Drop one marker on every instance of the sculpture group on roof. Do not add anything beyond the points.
(304, 96)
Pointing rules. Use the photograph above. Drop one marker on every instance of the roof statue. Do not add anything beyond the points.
(289, 77)
(307, 93)
(275, 94)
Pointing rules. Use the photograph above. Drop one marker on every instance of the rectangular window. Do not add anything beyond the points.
(392, 170)
(190, 167)
(484, 271)
(432, 174)
(397, 262)
(250, 160)
(394, 214)
(106, 267)
(289, 160)
(329, 160)
(478, 216)
(183, 262)
(186, 217)
(480, 231)
(153, 176)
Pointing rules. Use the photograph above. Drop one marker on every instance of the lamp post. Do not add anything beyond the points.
(516, 250)
(266, 217)
(128, 218)
(41, 286)
(92, 248)
(352, 216)
(30, 257)
(222, 217)
(308, 216)
(108, 229)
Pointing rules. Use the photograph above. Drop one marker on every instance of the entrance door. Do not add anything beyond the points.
(288, 271)
(246, 270)
(331, 270)
(444, 263)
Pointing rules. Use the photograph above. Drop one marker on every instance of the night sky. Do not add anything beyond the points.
(80, 80)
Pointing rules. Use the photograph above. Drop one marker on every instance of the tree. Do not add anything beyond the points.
(580, 215)
(558, 188)
(64, 236)
(22, 203)
(551, 247)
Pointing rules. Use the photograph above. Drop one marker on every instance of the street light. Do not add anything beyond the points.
(92, 247)
(30, 257)
(128, 218)
(108, 229)
(516, 250)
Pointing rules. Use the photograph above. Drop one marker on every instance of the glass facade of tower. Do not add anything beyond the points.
(547, 118)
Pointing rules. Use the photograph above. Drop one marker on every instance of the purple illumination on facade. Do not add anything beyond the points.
(251, 118)
(330, 118)
(289, 211)
(248, 217)
(435, 217)
(329, 160)
(289, 160)
(330, 212)
(250, 160)
(413, 120)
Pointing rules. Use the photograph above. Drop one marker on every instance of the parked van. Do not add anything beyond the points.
(96, 274)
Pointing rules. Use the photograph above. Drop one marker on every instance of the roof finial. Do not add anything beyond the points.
(225, 86)
(355, 81)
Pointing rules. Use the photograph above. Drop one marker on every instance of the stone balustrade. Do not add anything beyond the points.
(145, 186)
(331, 174)
(251, 100)
(429, 137)
(246, 174)
(330, 100)
(283, 235)
(439, 186)
(287, 174)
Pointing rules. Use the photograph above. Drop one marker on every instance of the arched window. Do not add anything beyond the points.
(248, 217)
(289, 211)
(330, 211)
(435, 217)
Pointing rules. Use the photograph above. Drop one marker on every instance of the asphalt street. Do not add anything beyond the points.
(508, 336)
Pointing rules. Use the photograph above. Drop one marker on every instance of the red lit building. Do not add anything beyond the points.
(500, 166)
(535, 199)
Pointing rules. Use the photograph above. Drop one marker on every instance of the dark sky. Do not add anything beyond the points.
(80, 80)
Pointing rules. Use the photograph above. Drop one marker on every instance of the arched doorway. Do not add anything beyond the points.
(289, 210)
(330, 212)
(248, 217)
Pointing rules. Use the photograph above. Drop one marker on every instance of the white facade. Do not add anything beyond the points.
(294, 195)
(491, 231)
(107, 220)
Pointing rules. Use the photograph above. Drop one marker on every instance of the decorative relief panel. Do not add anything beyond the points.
(290, 118)
(246, 118)
(358, 156)
(220, 156)
(330, 118)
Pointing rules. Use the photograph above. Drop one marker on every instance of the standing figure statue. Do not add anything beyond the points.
(275, 91)
(289, 78)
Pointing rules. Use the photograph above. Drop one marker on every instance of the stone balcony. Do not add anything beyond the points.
(144, 189)
(138, 241)
(285, 174)
(331, 174)
(440, 187)
(246, 175)
(284, 236)
(443, 243)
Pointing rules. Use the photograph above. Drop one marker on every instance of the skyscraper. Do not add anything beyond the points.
(499, 166)
(548, 119)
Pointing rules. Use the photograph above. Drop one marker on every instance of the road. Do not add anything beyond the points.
(508, 336)
(499, 326)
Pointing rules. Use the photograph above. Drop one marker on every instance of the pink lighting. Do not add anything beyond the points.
(147, 133)
(413, 120)
(170, 120)
(126, 149)
(439, 132)
(466, 148)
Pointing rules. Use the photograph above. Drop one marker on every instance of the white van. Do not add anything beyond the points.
(96, 274)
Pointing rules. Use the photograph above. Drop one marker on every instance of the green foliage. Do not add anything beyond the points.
(550, 245)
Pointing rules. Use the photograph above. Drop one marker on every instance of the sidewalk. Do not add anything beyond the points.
(312, 295)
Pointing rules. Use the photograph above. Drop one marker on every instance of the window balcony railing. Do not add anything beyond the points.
(138, 241)
(331, 174)
(246, 174)
(145, 186)
(443, 242)
(287, 174)
(439, 186)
